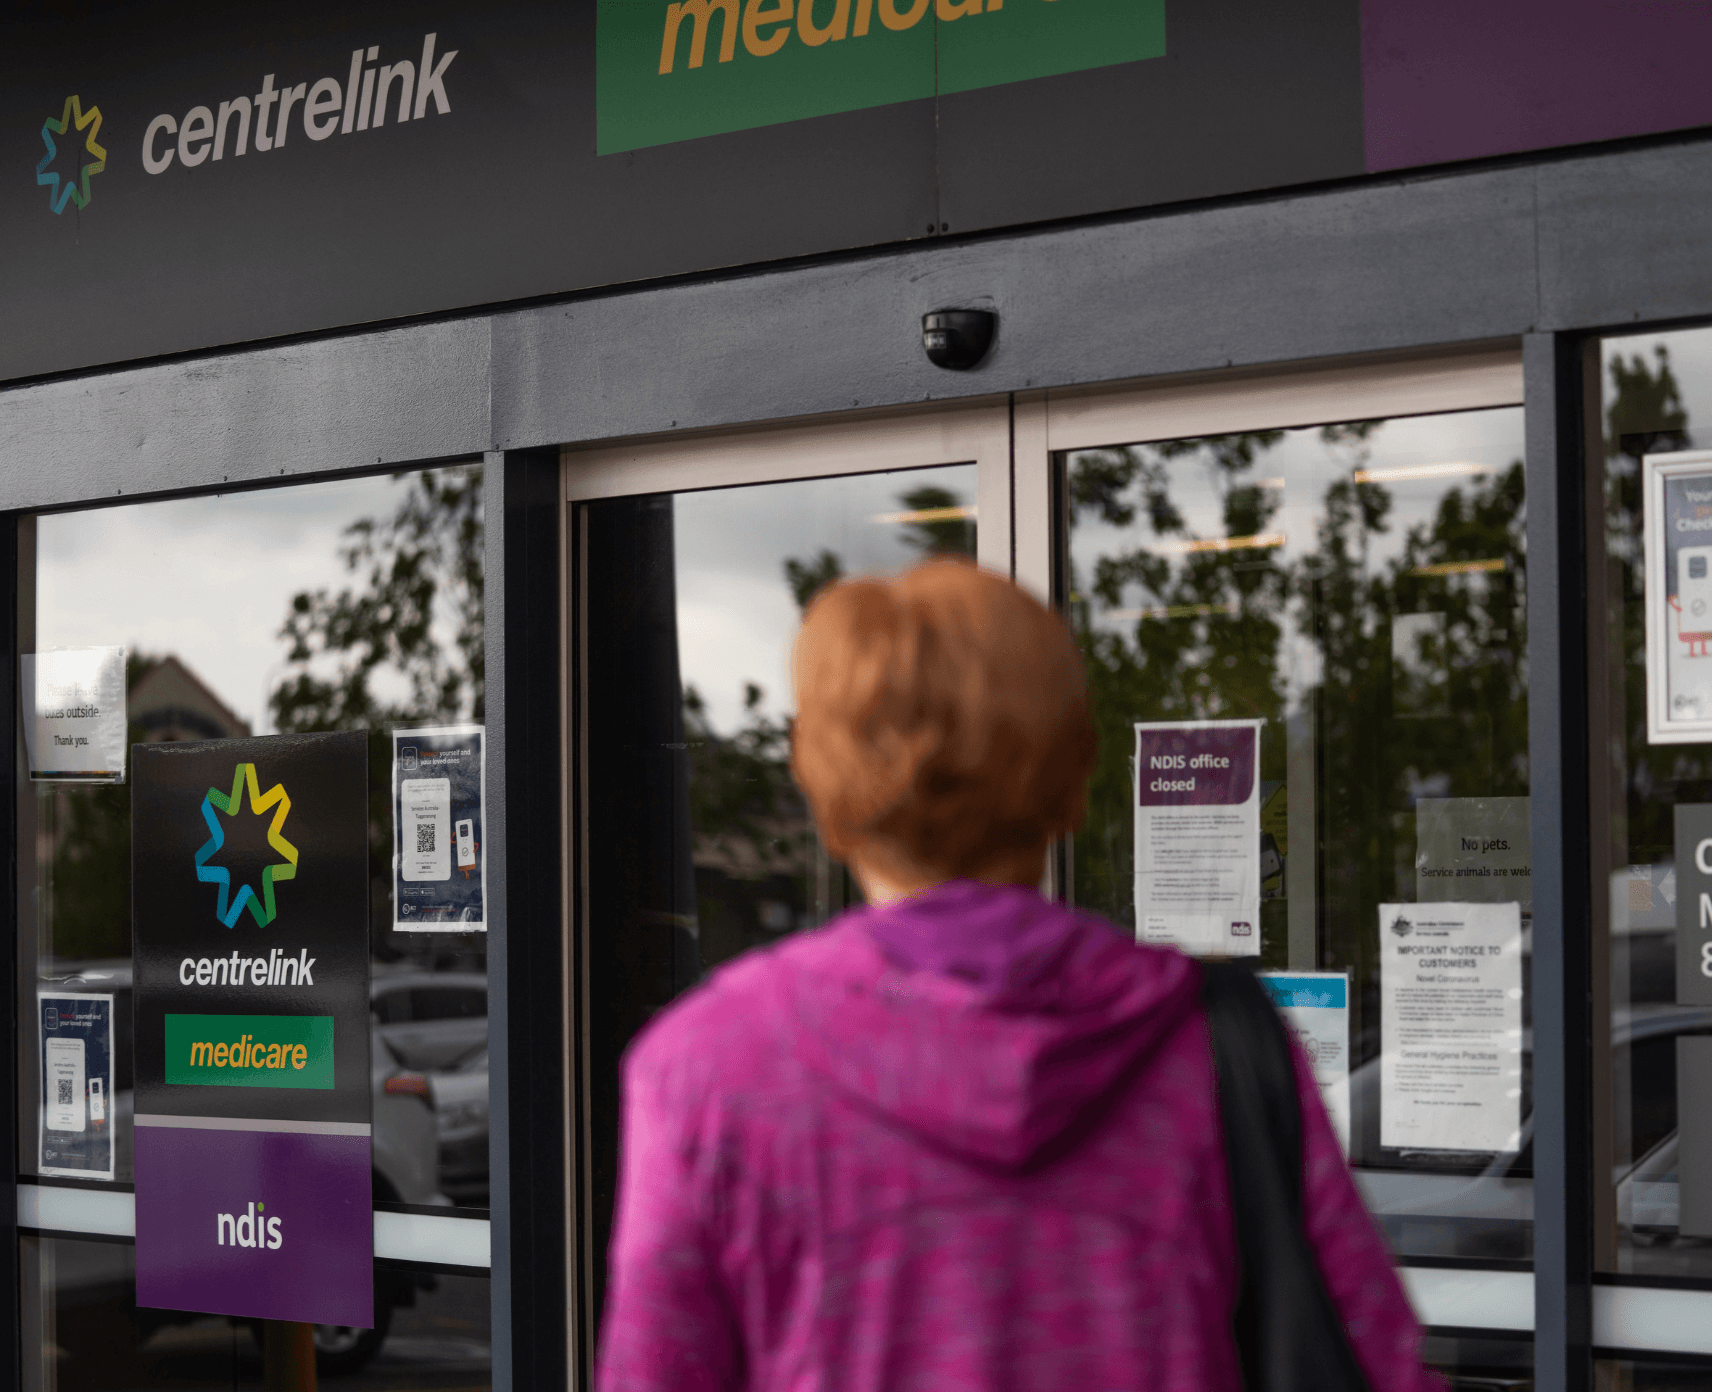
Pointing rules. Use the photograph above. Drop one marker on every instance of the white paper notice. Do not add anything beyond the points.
(1450, 978)
(1315, 1007)
(1473, 849)
(66, 1108)
(1197, 835)
(427, 850)
(74, 714)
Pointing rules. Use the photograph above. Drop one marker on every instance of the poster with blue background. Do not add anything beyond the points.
(77, 1085)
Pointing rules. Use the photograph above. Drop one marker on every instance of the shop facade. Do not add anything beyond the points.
(1330, 405)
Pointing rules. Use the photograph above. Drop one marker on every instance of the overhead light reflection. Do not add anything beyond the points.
(1240, 543)
(1463, 567)
(938, 514)
(1422, 471)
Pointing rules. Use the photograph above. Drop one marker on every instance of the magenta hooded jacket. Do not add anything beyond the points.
(969, 1140)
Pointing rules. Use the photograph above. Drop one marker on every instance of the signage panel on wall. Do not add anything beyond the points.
(197, 174)
(252, 1035)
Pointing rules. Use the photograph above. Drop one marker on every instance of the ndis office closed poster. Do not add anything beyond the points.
(253, 1105)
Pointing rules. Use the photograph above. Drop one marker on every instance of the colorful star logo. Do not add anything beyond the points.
(262, 909)
(71, 191)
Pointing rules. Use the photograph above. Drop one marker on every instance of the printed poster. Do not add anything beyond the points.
(439, 835)
(74, 714)
(1197, 835)
(1315, 1007)
(1450, 980)
(1474, 849)
(1677, 507)
(77, 1086)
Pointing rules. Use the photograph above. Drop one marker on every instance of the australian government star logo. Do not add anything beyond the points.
(78, 128)
(262, 907)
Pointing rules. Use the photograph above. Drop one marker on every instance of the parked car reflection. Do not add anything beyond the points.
(432, 1020)
(461, 1112)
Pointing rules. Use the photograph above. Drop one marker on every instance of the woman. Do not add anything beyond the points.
(963, 1137)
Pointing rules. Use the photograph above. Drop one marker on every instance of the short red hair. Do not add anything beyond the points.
(943, 716)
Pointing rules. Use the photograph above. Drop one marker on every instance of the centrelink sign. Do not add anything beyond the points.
(320, 108)
(250, 894)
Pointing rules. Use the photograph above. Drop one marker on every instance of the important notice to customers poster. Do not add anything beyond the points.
(250, 893)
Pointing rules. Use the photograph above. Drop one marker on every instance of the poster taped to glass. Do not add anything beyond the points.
(439, 862)
(1677, 492)
(1197, 835)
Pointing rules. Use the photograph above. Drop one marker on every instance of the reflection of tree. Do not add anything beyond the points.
(760, 868)
(1646, 416)
(1410, 674)
(424, 564)
(422, 568)
(938, 522)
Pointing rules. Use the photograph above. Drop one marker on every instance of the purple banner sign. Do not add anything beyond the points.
(1466, 79)
(1194, 768)
(263, 1224)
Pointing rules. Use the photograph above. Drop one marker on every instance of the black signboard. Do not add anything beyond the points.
(188, 174)
(252, 1034)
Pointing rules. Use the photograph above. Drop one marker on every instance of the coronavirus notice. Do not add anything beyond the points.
(1450, 977)
(1197, 835)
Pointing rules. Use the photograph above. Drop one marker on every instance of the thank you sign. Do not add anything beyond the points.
(250, 894)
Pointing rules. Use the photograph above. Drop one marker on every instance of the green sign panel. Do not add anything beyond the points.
(271, 1051)
(669, 70)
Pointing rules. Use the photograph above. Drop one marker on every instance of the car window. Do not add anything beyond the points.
(448, 1003)
(1652, 1076)
(392, 1007)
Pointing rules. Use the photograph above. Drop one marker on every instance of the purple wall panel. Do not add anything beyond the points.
(1463, 79)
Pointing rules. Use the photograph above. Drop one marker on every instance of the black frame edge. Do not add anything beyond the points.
(1558, 711)
(526, 970)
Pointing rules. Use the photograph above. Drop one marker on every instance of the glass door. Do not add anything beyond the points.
(693, 563)
(1338, 563)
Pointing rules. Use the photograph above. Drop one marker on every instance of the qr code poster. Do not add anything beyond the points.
(77, 1086)
(439, 882)
(1677, 490)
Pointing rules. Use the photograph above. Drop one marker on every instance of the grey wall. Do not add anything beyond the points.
(1599, 240)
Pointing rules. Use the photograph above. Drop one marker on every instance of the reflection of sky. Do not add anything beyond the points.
(737, 617)
(209, 579)
(1297, 472)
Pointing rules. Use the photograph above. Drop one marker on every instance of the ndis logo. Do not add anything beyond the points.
(249, 1229)
(76, 129)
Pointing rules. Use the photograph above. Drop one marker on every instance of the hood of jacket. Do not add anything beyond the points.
(984, 1017)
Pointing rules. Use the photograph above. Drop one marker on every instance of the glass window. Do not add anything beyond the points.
(700, 845)
(1359, 591)
(1656, 397)
(348, 605)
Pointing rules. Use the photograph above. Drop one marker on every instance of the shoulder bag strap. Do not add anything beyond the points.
(1288, 1333)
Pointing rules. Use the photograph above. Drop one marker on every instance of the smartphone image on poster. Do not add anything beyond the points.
(65, 1105)
(466, 844)
(97, 1102)
(427, 806)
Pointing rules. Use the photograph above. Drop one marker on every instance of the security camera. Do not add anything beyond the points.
(957, 339)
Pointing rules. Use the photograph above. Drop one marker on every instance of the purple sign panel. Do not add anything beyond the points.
(1186, 767)
(255, 1223)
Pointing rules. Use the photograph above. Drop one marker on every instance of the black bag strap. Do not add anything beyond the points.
(1289, 1335)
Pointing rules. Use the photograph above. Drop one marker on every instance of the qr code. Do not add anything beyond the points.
(425, 838)
(64, 1091)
